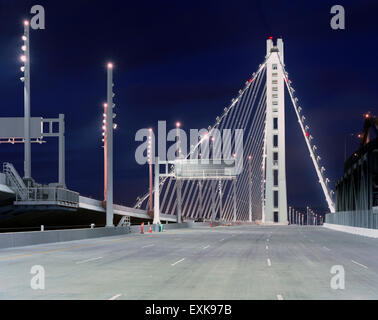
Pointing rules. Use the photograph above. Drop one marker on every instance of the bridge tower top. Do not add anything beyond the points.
(279, 47)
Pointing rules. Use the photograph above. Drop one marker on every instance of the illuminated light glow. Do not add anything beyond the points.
(249, 157)
(250, 80)
(110, 65)
(103, 127)
(271, 38)
(23, 48)
(23, 58)
(178, 124)
(307, 134)
(24, 38)
(26, 22)
(367, 115)
(22, 69)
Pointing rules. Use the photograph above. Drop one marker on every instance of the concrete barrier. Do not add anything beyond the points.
(21, 239)
(372, 233)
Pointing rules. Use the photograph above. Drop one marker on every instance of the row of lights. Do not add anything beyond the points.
(24, 48)
(105, 105)
(307, 134)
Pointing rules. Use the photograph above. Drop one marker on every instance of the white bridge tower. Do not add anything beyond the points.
(275, 210)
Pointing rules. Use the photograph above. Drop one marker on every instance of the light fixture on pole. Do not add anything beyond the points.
(25, 58)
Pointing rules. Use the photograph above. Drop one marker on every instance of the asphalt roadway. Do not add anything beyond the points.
(239, 262)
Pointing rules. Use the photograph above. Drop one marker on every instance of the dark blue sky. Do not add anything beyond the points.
(184, 61)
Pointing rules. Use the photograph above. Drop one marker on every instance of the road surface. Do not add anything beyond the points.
(239, 262)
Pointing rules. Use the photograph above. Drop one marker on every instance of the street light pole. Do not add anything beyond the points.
(25, 58)
(178, 181)
(150, 157)
(109, 148)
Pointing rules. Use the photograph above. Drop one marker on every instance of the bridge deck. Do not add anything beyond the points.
(243, 262)
(95, 205)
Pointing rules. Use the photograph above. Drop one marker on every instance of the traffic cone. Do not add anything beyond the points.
(150, 231)
(141, 228)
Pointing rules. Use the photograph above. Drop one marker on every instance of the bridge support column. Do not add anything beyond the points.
(250, 189)
(220, 201)
(212, 201)
(156, 193)
(179, 200)
(62, 164)
(234, 191)
(200, 199)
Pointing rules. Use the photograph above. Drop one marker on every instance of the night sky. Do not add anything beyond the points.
(184, 60)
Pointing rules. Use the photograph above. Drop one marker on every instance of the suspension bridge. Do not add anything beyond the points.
(239, 186)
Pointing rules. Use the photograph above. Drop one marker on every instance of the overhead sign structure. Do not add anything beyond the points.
(195, 169)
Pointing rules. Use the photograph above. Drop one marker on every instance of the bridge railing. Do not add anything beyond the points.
(60, 196)
(360, 219)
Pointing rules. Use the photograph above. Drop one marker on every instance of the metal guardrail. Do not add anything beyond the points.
(49, 194)
(361, 219)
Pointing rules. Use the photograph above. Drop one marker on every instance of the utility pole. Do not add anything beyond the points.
(25, 58)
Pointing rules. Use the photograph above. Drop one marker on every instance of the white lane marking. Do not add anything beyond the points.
(206, 247)
(177, 262)
(267, 240)
(222, 239)
(279, 297)
(88, 260)
(269, 262)
(360, 264)
(150, 245)
(266, 247)
(328, 249)
(115, 297)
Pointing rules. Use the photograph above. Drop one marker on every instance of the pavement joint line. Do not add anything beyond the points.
(269, 262)
(360, 264)
(88, 260)
(173, 264)
(206, 247)
(115, 297)
(150, 245)
(279, 297)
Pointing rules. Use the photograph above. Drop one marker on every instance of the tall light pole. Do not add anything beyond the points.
(25, 58)
(250, 188)
(109, 146)
(150, 158)
(178, 181)
(156, 193)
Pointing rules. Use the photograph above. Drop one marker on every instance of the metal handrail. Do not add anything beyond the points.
(50, 194)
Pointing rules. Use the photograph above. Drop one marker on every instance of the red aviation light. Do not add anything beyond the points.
(250, 80)
(271, 38)
(307, 134)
